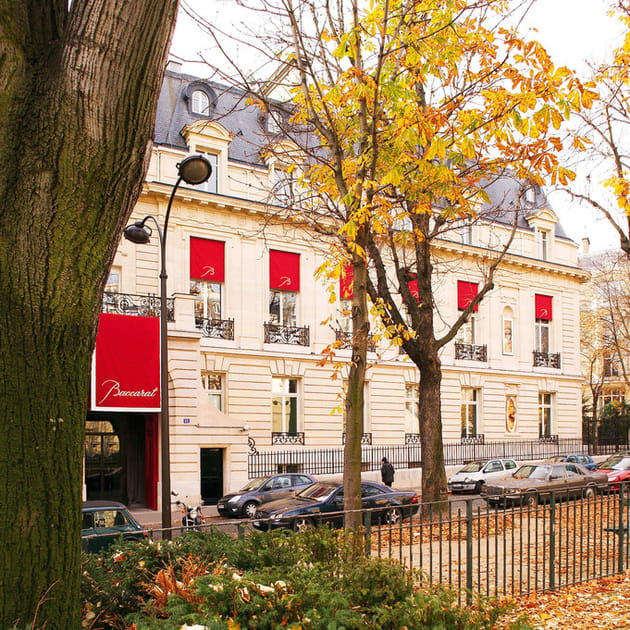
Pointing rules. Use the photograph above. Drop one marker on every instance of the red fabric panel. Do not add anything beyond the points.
(284, 271)
(466, 293)
(345, 282)
(543, 307)
(151, 430)
(126, 366)
(207, 259)
(413, 288)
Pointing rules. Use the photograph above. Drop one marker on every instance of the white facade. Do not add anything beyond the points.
(246, 365)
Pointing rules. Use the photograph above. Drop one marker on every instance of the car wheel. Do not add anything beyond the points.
(589, 492)
(249, 509)
(531, 499)
(478, 486)
(302, 524)
(393, 516)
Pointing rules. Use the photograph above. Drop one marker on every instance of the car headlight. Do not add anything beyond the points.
(276, 515)
(511, 490)
(234, 498)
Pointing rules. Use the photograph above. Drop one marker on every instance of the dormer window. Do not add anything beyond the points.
(200, 103)
(543, 244)
(530, 194)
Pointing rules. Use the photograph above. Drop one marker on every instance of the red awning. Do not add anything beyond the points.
(284, 271)
(345, 282)
(207, 259)
(543, 307)
(126, 365)
(466, 293)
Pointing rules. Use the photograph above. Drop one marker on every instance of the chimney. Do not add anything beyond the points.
(586, 245)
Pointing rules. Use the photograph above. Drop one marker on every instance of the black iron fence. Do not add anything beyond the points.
(329, 461)
(493, 552)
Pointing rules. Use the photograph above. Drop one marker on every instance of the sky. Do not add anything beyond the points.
(572, 31)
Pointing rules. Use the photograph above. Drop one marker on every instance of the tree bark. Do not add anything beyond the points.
(79, 90)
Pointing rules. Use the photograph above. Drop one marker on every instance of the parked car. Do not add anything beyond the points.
(104, 522)
(586, 460)
(322, 503)
(617, 469)
(533, 483)
(243, 504)
(472, 476)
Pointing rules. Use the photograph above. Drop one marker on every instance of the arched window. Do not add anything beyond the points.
(200, 102)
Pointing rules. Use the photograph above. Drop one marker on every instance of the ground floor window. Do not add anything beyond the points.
(284, 405)
(469, 411)
(412, 408)
(545, 400)
(213, 384)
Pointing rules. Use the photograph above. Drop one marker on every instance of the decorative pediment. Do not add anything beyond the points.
(205, 134)
(542, 218)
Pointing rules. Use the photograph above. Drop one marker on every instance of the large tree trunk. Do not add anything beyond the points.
(77, 111)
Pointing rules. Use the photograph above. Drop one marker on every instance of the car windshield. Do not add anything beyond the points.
(254, 484)
(472, 467)
(532, 472)
(318, 491)
(616, 462)
(104, 518)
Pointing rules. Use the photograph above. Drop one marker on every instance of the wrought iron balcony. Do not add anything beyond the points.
(547, 359)
(284, 437)
(345, 338)
(477, 438)
(216, 328)
(471, 352)
(366, 439)
(296, 335)
(413, 438)
(140, 305)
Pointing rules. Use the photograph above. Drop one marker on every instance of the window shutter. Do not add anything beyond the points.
(284, 271)
(466, 293)
(207, 260)
(543, 307)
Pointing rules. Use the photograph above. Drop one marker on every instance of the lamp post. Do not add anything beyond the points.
(194, 169)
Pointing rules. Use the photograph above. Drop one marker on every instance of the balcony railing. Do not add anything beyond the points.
(471, 352)
(215, 328)
(284, 437)
(366, 439)
(548, 439)
(345, 338)
(140, 305)
(547, 359)
(477, 438)
(413, 438)
(296, 335)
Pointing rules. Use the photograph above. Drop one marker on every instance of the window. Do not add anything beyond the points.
(466, 334)
(542, 335)
(613, 395)
(207, 273)
(542, 236)
(113, 281)
(469, 411)
(213, 385)
(530, 194)
(611, 366)
(544, 414)
(210, 185)
(284, 285)
(412, 408)
(283, 185)
(284, 405)
(465, 234)
(200, 103)
(508, 324)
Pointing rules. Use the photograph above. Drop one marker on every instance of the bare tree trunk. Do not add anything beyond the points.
(79, 90)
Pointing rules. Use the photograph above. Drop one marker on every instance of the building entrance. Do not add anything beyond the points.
(115, 457)
(211, 475)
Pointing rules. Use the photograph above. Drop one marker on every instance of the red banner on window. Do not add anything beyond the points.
(543, 307)
(284, 271)
(126, 364)
(345, 282)
(207, 260)
(466, 293)
(413, 289)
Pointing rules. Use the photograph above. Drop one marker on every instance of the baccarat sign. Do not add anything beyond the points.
(126, 364)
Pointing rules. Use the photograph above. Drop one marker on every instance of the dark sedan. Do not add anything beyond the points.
(245, 501)
(534, 483)
(104, 522)
(322, 503)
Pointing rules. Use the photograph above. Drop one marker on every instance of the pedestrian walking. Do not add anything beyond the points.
(387, 472)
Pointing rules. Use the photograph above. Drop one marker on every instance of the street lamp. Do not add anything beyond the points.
(194, 169)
